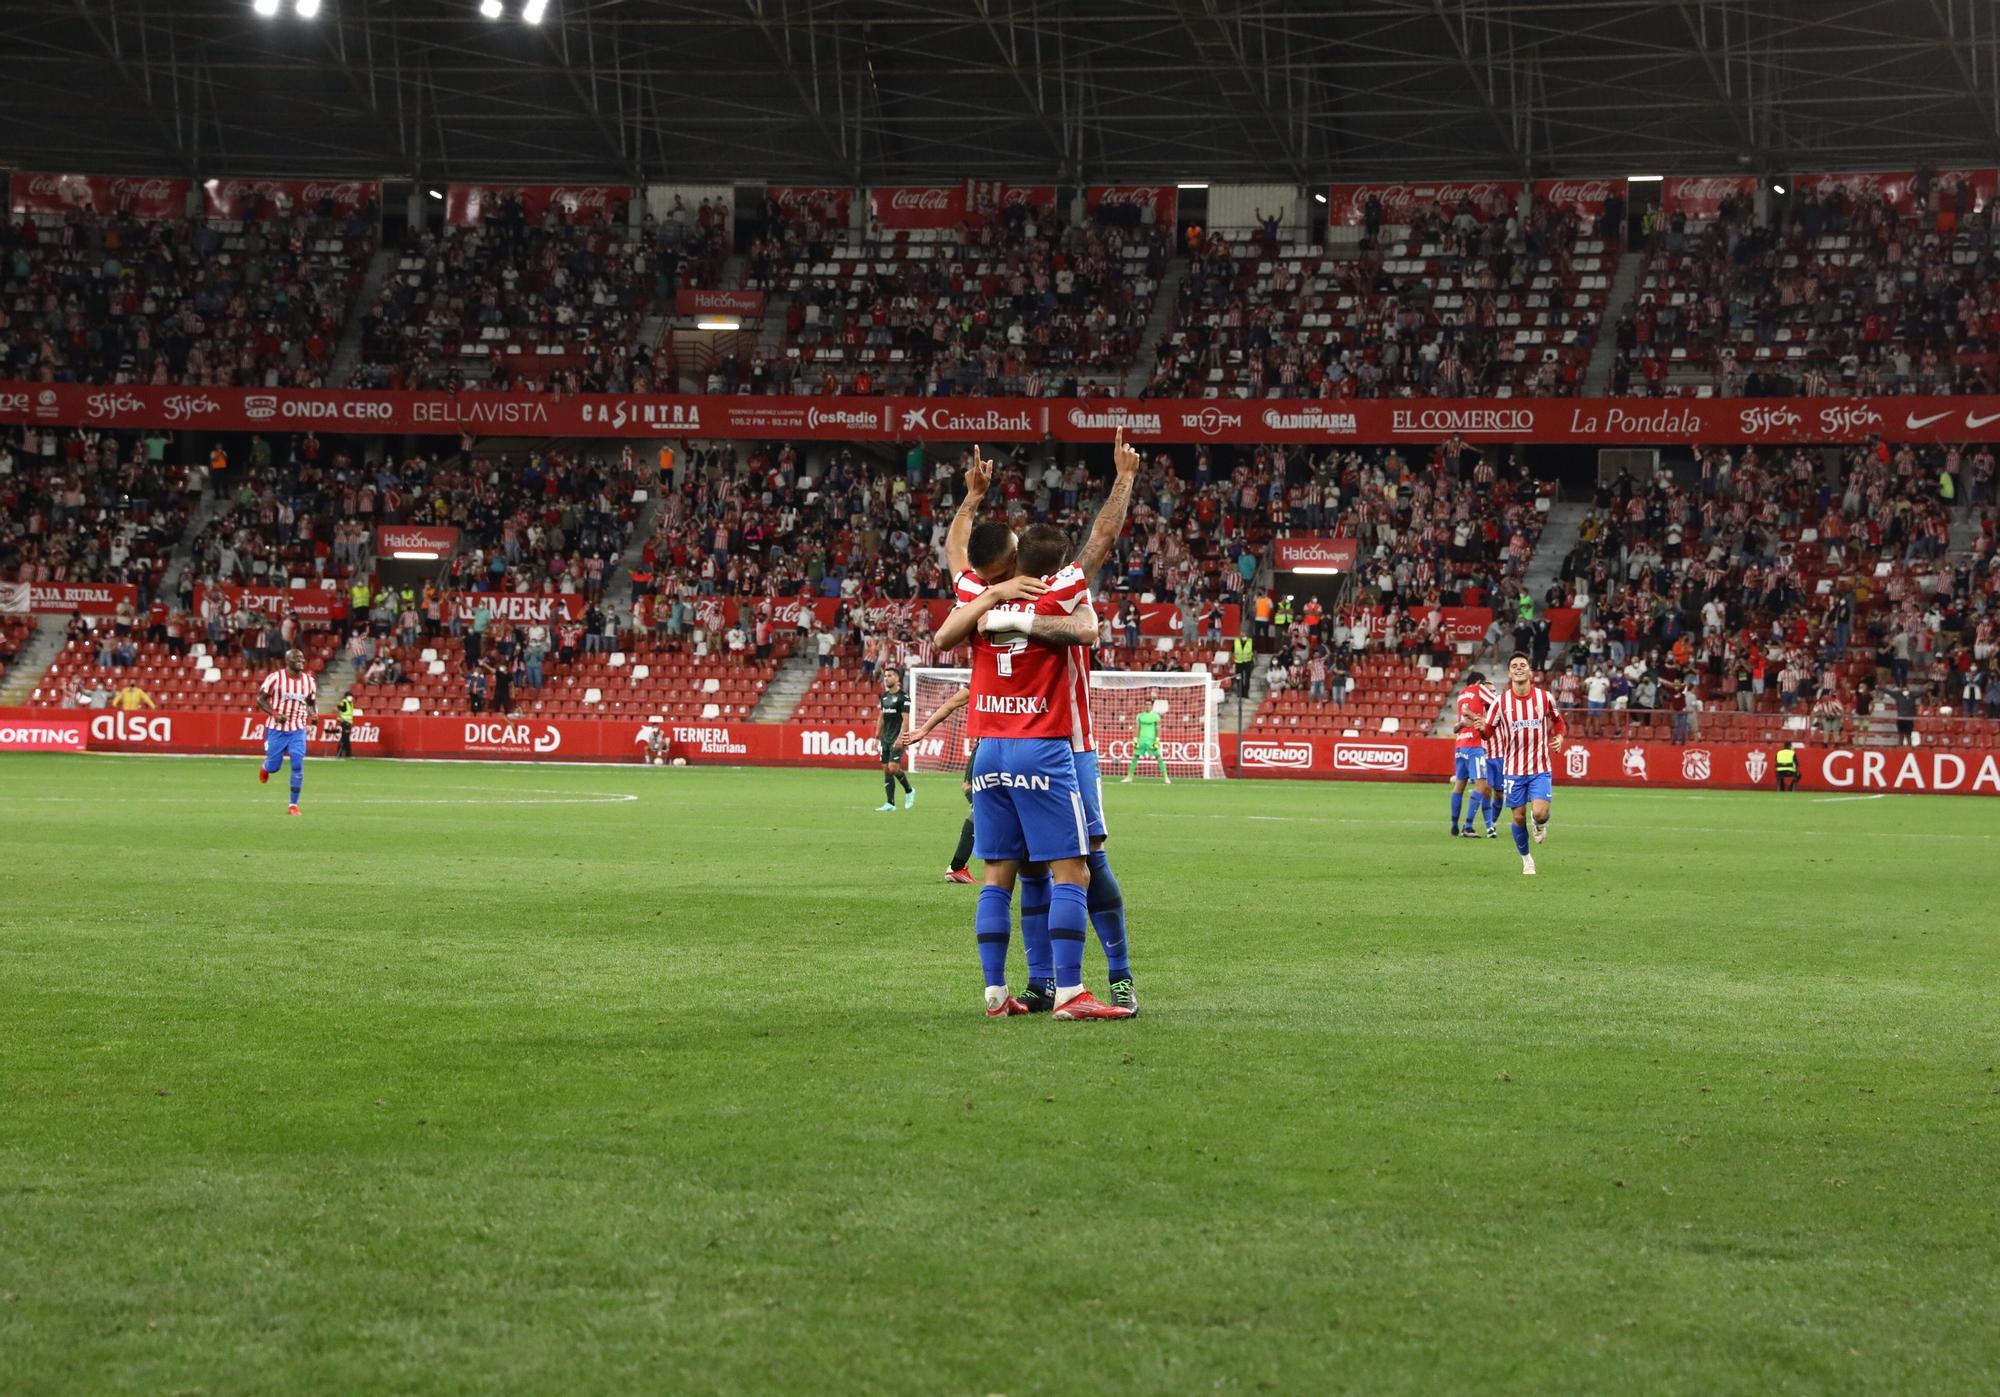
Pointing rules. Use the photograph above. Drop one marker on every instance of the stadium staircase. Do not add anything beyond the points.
(33, 661)
(1964, 529)
(1165, 315)
(787, 687)
(618, 591)
(1604, 354)
(347, 353)
(1558, 538)
(336, 679)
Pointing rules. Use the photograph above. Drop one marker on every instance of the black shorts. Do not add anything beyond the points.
(887, 738)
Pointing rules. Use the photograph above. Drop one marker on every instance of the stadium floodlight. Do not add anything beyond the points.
(1191, 185)
(718, 323)
(417, 555)
(436, 193)
(533, 10)
(267, 8)
(1777, 188)
(490, 8)
(1319, 198)
(306, 9)
(1644, 179)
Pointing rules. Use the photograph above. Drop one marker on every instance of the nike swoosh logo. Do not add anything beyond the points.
(1912, 421)
(1973, 421)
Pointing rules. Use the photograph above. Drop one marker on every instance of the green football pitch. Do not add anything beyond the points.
(546, 1079)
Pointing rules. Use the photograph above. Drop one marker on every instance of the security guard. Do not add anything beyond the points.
(1283, 620)
(1788, 768)
(1244, 651)
(346, 712)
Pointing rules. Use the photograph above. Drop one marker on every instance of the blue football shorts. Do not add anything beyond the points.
(1025, 801)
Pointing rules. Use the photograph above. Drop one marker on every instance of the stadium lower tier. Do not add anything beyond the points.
(1584, 762)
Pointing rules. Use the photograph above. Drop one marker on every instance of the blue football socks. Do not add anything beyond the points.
(1521, 838)
(1107, 914)
(1069, 914)
(993, 924)
(1035, 927)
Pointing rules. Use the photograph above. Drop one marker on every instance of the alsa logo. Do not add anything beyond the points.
(1277, 756)
(120, 726)
(715, 742)
(1007, 780)
(1111, 419)
(1350, 756)
(514, 737)
(1310, 419)
(1211, 421)
(1768, 419)
(944, 419)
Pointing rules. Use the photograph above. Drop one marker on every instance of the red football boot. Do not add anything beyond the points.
(263, 777)
(1006, 1008)
(959, 875)
(291, 809)
(1088, 1006)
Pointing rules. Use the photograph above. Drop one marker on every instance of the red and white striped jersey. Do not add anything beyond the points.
(291, 697)
(1472, 709)
(1521, 726)
(1023, 688)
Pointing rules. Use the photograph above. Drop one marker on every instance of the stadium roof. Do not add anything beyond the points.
(1069, 91)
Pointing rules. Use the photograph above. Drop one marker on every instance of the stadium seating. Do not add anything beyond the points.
(198, 680)
(187, 301)
(87, 506)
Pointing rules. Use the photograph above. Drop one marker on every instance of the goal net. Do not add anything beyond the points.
(1185, 701)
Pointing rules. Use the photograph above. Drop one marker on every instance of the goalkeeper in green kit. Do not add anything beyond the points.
(1146, 743)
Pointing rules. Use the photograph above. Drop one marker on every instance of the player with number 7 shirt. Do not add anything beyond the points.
(1030, 716)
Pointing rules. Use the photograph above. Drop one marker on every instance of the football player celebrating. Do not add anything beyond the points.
(1468, 758)
(1529, 728)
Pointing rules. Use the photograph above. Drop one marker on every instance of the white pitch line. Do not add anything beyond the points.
(1835, 800)
(1575, 823)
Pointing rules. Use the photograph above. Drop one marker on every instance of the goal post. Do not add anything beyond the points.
(1185, 701)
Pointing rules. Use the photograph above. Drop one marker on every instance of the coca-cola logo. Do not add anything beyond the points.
(1142, 196)
(1592, 192)
(929, 200)
(593, 196)
(349, 193)
(46, 186)
(145, 191)
(1351, 756)
(1276, 756)
(1768, 419)
(112, 404)
(1707, 189)
(182, 407)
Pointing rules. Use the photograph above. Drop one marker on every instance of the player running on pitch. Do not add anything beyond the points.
(1146, 743)
(1528, 728)
(1040, 556)
(955, 871)
(895, 707)
(286, 699)
(1469, 761)
(1025, 632)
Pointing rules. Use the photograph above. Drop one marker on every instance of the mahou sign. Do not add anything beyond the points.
(1701, 197)
(1149, 421)
(1583, 197)
(142, 196)
(467, 205)
(830, 203)
(277, 198)
(904, 206)
(1347, 204)
(1163, 199)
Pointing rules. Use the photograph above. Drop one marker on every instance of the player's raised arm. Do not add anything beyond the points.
(978, 477)
(968, 618)
(1078, 627)
(1110, 521)
(944, 711)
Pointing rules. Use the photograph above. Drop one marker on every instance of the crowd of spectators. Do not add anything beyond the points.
(1835, 294)
(1017, 301)
(1822, 590)
(554, 304)
(1469, 301)
(198, 302)
(90, 506)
